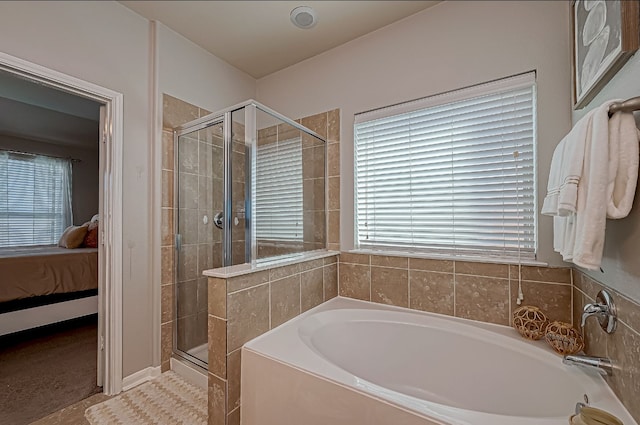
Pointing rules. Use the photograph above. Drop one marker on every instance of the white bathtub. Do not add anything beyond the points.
(360, 362)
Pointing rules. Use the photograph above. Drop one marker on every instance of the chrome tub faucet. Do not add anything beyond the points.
(604, 309)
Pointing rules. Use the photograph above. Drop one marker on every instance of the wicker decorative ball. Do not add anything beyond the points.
(563, 338)
(530, 322)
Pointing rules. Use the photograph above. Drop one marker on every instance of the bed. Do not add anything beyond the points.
(46, 284)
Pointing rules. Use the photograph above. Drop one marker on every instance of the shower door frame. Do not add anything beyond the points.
(225, 117)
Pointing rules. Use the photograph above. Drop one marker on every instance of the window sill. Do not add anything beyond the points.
(431, 256)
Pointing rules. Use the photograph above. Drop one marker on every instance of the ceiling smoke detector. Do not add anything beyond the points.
(304, 17)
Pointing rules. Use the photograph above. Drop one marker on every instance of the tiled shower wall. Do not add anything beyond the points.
(479, 291)
(174, 113)
(244, 307)
(622, 347)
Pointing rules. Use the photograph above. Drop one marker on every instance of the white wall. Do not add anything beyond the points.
(190, 73)
(106, 44)
(449, 46)
(620, 261)
(85, 183)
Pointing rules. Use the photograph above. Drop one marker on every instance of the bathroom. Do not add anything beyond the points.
(480, 290)
(448, 46)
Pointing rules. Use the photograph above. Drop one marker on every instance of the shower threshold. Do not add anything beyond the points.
(200, 352)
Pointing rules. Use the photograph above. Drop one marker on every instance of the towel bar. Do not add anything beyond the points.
(629, 105)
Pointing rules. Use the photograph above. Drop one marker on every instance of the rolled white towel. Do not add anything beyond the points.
(623, 164)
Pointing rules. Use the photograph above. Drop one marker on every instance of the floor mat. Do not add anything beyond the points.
(167, 400)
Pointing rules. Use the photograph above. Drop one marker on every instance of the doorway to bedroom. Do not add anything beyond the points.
(50, 254)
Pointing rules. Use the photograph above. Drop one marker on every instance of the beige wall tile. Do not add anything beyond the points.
(247, 281)
(333, 159)
(188, 191)
(188, 158)
(217, 295)
(431, 291)
(333, 125)
(280, 272)
(578, 304)
(168, 299)
(187, 298)
(285, 299)
(354, 281)
(346, 257)
(218, 346)
(233, 374)
(187, 263)
(587, 285)
(287, 132)
(388, 261)
(333, 193)
(311, 289)
(330, 281)
(444, 266)
(167, 263)
(316, 123)
(167, 150)
(482, 269)
(176, 112)
(624, 351)
(166, 227)
(628, 311)
(390, 286)
(553, 299)
(167, 189)
(217, 396)
(166, 341)
(333, 234)
(543, 274)
(313, 264)
(188, 226)
(234, 417)
(482, 298)
(247, 315)
(330, 260)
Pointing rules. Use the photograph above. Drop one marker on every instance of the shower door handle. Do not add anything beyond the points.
(218, 220)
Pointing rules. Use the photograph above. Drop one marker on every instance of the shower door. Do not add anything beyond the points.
(199, 200)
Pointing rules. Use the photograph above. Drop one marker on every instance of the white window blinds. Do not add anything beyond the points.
(35, 199)
(451, 174)
(278, 181)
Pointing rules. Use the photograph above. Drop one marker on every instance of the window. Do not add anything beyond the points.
(450, 174)
(35, 199)
(278, 207)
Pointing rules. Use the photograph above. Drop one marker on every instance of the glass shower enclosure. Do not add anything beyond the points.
(249, 186)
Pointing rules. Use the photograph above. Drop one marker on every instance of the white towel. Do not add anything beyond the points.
(623, 164)
(566, 170)
(593, 176)
(591, 211)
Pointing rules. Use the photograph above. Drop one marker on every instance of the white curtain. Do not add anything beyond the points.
(35, 199)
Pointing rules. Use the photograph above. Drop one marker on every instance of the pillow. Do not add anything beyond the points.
(91, 239)
(73, 237)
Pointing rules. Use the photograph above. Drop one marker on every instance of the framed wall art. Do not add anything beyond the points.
(605, 35)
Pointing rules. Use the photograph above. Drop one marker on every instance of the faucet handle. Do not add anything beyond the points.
(604, 309)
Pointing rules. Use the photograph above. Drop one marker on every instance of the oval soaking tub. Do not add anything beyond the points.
(439, 369)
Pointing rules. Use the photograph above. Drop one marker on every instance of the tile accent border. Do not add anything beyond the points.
(244, 307)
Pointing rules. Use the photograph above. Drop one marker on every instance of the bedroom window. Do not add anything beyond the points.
(279, 191)
(35, 199)
(451, 174)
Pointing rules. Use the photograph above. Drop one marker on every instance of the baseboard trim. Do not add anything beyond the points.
(140, 377)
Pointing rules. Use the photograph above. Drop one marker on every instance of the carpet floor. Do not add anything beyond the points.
(167, 400)
(46, 369)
